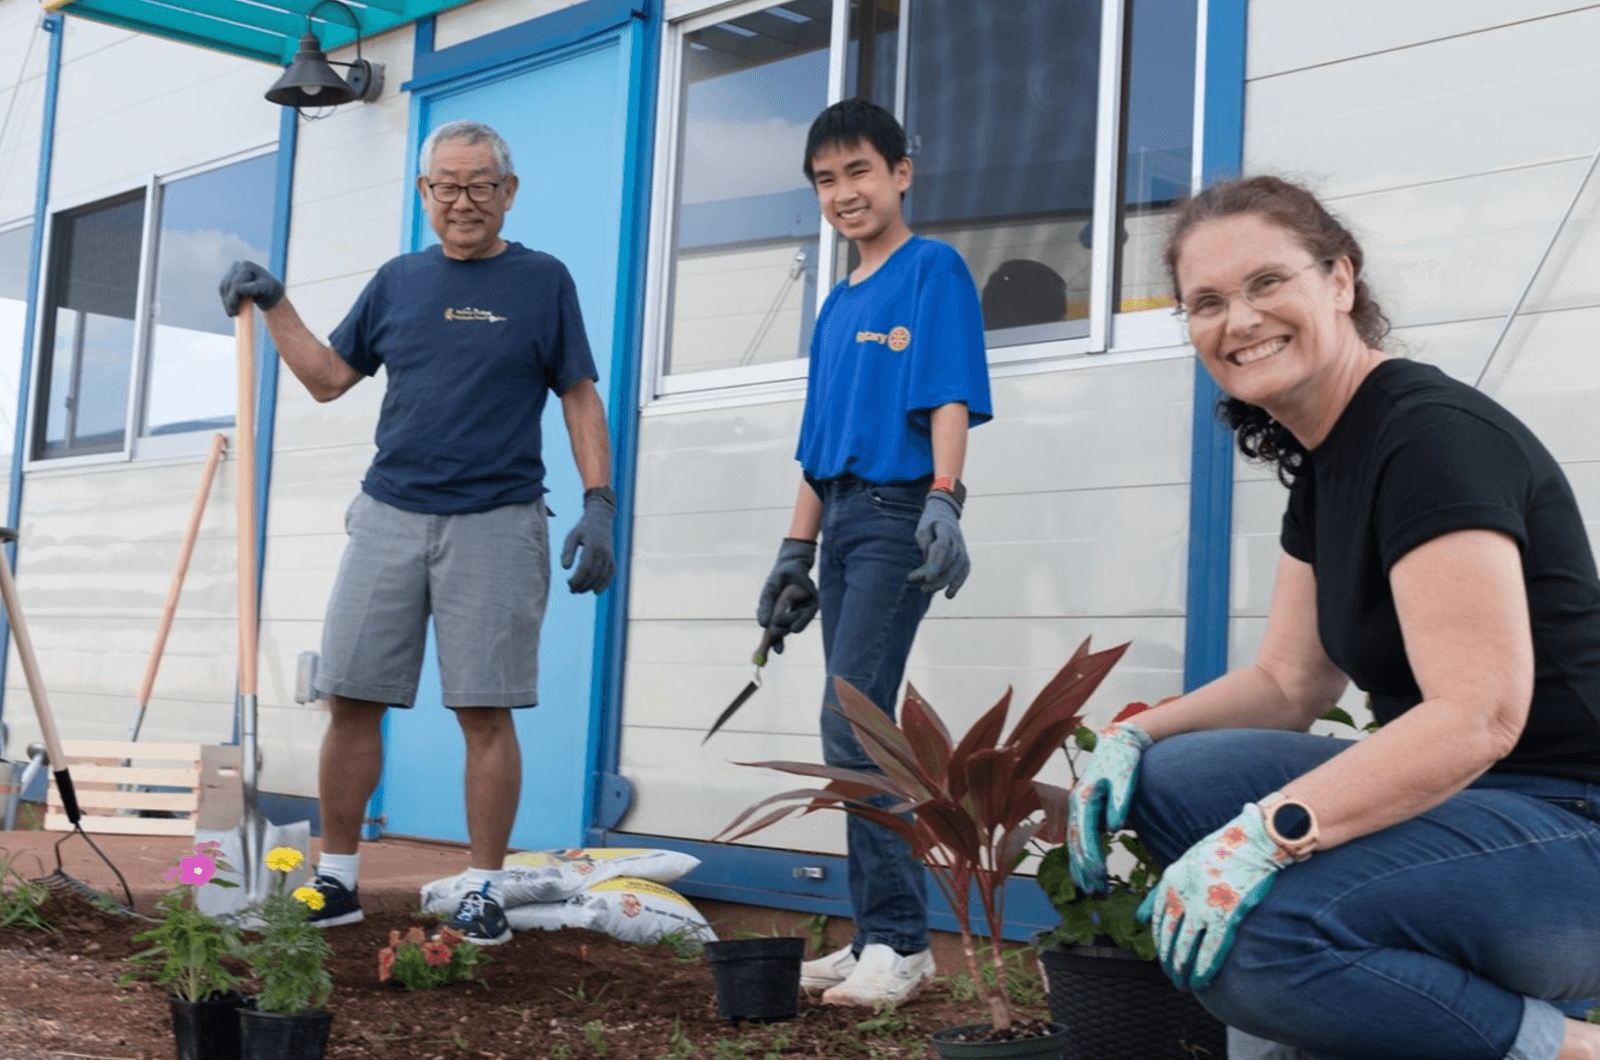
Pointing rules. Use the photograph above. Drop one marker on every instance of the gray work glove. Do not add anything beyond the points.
(793, 568)
(246, 279)
(593, 534)
(944, 551)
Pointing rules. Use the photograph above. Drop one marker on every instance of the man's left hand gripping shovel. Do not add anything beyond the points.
(771, 640)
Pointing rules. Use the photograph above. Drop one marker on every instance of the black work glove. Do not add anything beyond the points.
(944, 551)
(793, 568)
(593, 534)
(246, 279)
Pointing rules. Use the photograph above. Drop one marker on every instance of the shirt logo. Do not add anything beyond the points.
(897, 339)
(469, 313)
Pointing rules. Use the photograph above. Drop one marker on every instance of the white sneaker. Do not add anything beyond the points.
(828, 971)
(882, 976)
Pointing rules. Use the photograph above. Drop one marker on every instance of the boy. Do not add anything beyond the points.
(897, 376)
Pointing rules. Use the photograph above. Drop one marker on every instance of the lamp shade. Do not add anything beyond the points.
(310, 81)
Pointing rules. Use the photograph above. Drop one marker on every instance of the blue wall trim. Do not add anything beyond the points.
(759, 876)
(557, 29)
(1211, 457)
(51, 24)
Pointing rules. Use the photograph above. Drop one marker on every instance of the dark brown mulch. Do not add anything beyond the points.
(559, 995)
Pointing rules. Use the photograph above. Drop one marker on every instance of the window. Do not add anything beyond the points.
(16, 246)
(134, 338)
(1030, 149)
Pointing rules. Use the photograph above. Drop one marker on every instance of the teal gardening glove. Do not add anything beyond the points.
(1204, 895)
(1100, 801)
(944, 551)
(793, 567)
(593, 534)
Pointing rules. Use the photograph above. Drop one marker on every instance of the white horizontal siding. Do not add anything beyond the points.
(22, 97)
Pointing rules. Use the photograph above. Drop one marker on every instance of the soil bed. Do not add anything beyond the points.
(546, 995)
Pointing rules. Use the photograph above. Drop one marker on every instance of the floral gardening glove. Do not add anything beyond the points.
(1100, 800)
(1205, 893)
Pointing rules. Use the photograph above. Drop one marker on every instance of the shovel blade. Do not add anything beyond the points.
(216, 902)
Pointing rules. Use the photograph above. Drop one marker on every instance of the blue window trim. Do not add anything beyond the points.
(53, 25)
(547, 33)
(1205, 655)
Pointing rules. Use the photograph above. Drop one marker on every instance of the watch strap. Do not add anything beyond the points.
(953, 486)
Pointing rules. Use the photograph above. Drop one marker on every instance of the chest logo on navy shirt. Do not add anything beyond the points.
(471, 314)
(897, 339)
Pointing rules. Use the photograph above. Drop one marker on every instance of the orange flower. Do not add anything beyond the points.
(1174, 903)
(437, 954)
(1235, 837)
(394, 937)
(450, 936)
(386, 962)
(1222, 897)
(416, 935)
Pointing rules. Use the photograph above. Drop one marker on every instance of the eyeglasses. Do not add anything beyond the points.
(479, 192)
(1261, 292)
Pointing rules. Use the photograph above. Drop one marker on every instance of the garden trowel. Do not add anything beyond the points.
(771, 641)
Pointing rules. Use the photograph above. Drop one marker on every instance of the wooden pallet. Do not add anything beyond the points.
(113, 778)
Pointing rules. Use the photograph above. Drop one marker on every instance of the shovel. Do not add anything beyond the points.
(771, 640)
(243, 847)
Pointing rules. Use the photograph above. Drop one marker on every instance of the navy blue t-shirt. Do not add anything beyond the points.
(884, 353)
(472, 348)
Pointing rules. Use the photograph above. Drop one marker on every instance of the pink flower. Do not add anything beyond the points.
(195, 869)
(1221, 896)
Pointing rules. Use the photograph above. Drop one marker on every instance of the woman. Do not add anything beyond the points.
(1427, 891)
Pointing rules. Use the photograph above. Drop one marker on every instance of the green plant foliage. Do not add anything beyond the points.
(1088, 919)
(594, 1032)
(290, 955)
(679, 1046)
(20, 898)
(186, 950)
(419, 963)
(684, 944)
(973, 805)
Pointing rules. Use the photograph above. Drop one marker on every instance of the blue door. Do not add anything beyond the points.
(565, 117)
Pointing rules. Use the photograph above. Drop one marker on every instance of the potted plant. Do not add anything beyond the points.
(289, 958)
(973, 807)
(1098, 966)
(185, 957)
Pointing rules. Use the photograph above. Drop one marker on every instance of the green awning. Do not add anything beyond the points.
(267, 30)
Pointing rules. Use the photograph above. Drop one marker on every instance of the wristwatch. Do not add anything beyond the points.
(1291, 824)
(952, 486)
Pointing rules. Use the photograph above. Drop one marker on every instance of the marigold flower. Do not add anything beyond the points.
(309, 895)
(385, 963)
(284, 859)
(437, 954)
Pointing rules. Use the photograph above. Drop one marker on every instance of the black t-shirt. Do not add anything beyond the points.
(1417, 455)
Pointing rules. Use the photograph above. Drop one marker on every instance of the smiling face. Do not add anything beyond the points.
(859, 193)
(467, 229)
(1282, 356)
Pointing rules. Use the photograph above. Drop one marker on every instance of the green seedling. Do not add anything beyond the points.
(594, 1032)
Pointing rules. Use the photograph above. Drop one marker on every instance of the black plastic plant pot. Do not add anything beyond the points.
(948, 1044)
(208, 1029)
(757, 980)
(283, 1035)
(1121, 1007)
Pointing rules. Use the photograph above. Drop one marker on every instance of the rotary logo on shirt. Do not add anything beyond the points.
(469, 313)
(897, 339)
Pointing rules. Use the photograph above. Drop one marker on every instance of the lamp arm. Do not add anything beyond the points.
(354, 22)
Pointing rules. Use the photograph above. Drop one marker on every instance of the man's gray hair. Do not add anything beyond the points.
(466, 132)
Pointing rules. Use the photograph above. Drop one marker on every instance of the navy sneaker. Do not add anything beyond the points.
(340, 904)
(480, 920)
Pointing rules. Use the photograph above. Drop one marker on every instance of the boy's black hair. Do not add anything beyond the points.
(852, 121)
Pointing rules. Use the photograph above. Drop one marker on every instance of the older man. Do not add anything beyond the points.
(451, 519)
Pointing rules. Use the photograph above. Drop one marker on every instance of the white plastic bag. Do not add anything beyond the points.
(632, 910)
(555, 875)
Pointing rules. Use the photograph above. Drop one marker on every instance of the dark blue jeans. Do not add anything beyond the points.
(869, 619)
(1455, 935)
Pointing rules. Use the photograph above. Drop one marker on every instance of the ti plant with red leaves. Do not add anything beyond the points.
(973, 804)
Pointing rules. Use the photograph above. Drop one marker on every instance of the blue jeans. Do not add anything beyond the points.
(869, 619)
(1454, 935)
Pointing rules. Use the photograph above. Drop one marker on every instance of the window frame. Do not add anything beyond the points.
(8, 446)
(1110, 331)
(134, 446)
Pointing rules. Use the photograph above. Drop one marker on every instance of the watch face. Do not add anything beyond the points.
(1291, 821)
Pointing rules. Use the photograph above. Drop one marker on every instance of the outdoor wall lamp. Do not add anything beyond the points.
(311, 81)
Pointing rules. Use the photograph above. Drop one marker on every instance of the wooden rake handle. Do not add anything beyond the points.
(244, 334)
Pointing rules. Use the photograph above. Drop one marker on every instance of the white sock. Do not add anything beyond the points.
(495, 878)
(342, 867)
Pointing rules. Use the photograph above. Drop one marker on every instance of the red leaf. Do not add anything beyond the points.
(926, 734)
(1129, 711)
(1057, 803)
(983, 735)
(1053, 714)
(883, 742)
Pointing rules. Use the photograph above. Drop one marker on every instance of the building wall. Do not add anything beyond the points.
(1447, 136)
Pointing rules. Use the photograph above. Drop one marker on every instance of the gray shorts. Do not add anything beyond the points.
(484, 577)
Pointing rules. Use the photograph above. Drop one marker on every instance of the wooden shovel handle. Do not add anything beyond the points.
(218, 443)
(244, 334)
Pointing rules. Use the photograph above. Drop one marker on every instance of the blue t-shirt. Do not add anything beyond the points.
(472, 348)
(885, 352)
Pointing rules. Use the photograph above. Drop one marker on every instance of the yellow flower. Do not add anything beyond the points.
(284, 859)
(309, 895)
